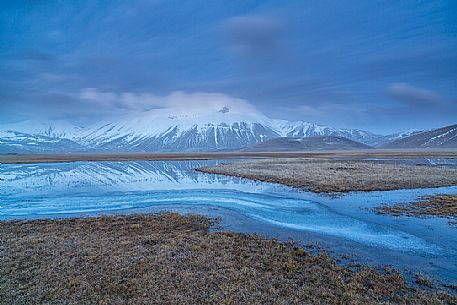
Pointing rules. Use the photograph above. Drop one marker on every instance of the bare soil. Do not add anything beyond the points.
(173, 259)
(320, 175)
(443, 205)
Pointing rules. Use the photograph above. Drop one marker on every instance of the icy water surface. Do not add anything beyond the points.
(343, 224)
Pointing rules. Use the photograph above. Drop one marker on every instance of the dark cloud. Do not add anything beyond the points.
(405, 103)
(253, 35)
(410, 95)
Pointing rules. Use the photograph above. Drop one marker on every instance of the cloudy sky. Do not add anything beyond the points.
(384, 66)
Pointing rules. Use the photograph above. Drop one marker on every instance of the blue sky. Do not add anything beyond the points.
(383, 66)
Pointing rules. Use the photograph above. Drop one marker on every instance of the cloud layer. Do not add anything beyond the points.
(380, 66)
(180, 102)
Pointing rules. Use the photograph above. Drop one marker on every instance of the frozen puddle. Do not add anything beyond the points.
(344, 224)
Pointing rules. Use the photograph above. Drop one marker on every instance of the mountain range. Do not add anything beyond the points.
(168, 130)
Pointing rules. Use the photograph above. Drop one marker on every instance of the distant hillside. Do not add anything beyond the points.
(445, 137)
(308, 143)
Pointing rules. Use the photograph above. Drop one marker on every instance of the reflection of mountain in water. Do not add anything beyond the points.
(125, 176)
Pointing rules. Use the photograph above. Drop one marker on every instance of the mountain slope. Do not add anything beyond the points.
(400, 135)
(51, 129)
(302, 129)
(445, 137)
(308, 143)
(17, 142)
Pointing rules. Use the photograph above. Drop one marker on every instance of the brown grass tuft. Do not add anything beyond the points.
(428, 206)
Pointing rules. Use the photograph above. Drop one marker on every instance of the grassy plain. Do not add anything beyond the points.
(330, 175)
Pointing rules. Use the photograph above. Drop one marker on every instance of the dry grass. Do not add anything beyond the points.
(117, 156)
(172, 259)
(428, 206)
(338, 176)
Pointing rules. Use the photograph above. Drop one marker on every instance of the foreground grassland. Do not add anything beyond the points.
(429, 206)
(173, 259)
(318, 175)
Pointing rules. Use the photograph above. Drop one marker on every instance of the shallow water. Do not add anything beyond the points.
(343, 224)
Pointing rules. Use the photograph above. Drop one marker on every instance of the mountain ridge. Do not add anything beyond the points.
(169, 130)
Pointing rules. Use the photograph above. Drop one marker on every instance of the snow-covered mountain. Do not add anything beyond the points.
(51, 129)
(170, 130)
(162, 130)
(445, 137)
(18, 142)
(224, 129)
(301, 129)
